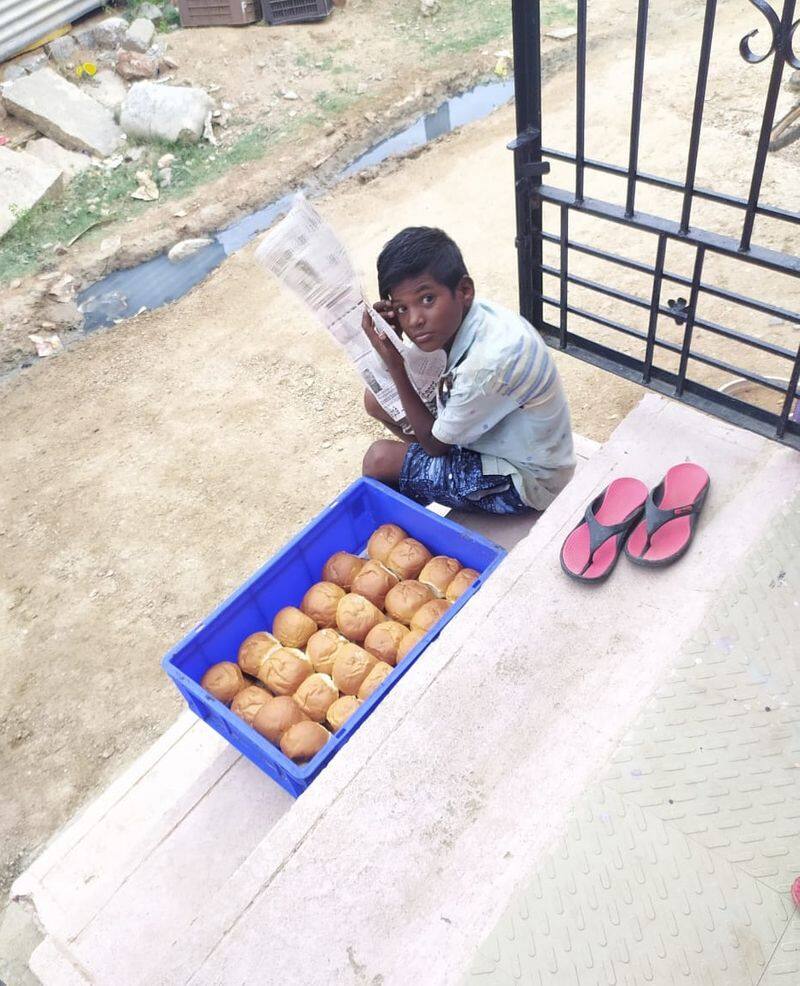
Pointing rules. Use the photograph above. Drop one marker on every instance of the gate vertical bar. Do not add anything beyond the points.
(655, 301)
(773, 92)
(636, 107)
(527, 152)
(697, 115)
(791, 390)
(580, 102)
(564, 265)
(690, 316)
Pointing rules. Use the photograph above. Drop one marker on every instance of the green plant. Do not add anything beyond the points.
(334, 102)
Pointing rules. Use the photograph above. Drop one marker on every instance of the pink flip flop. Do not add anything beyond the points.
(591, 550)
(670, 517)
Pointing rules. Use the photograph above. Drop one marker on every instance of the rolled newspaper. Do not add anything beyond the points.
(306, 255)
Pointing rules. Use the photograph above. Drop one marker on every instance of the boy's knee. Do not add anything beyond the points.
(384, 460)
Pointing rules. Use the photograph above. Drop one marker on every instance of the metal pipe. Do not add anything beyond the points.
(715, 292)
(527, 151)
(686, 349)
(773, 91)
(564, 260)
(636, 106)
(655, 307)
(672, 347)
(725, 245)
(580, 101)
(697, 114)
(771, 212)
(791, 392)
(701, 323)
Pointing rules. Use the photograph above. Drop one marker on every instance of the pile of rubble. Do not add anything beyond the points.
(85, 95)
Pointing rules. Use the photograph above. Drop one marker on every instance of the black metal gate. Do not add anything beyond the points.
(675, 350)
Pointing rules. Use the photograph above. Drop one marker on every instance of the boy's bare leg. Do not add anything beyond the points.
(384, 461)
(374, 410)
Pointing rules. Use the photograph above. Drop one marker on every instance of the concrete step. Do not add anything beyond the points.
(402, 856)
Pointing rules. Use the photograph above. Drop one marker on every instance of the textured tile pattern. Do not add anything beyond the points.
(676, 868)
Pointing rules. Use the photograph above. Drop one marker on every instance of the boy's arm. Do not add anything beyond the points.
(419, 417)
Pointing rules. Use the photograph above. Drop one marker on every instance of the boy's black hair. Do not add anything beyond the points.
(417, 250)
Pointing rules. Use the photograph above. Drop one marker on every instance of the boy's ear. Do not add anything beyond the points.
(466, 288)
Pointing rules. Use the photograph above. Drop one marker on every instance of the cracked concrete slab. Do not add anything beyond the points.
(61, 110)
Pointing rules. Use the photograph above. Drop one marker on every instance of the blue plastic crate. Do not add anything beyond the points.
(343, 526)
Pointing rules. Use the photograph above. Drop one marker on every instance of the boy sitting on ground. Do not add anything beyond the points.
(500, 439)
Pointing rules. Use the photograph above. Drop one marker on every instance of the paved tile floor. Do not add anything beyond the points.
(676, 867)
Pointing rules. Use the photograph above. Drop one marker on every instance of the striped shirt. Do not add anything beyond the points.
(501, 395)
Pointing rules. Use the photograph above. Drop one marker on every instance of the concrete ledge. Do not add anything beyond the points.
(407, 847)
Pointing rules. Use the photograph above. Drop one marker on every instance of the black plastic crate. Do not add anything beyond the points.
(289, 11)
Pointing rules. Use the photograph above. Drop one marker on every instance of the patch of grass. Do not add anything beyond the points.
(334, 102)
(559, 13)
(96, 192)
(461, 26)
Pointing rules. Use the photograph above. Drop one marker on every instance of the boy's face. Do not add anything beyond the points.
(428, 312)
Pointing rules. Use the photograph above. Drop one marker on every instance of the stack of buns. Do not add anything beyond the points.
(322, 659)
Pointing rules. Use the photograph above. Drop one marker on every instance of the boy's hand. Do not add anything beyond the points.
(392, 359)
(386, 311)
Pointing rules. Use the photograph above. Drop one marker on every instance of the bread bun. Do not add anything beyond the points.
(439, 573)
(373, 582)
(292, 627)
(383, 640)
(285, 670)
(316, 695)
(321, 648)
(254, 649)
(380, 545)
(374, 679)
(248, 701)
(356, 616)
(429, 614)
(276, 715)
(342, 568)
(223, 681)
(303, 740)
(461, 583)
(408, 558)
(411, 639)
(406, 598)
(341, 710)
(351, 667)
(320, 603)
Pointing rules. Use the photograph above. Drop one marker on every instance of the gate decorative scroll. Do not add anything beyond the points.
(556, 313)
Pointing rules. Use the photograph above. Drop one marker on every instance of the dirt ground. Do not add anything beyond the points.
(151, 468)
(352, 79)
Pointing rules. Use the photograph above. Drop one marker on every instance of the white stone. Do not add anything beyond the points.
(70, 163)
(186, 248)
(172, 113)
(62, 50)
(109, 32)
(34, 61)
(108, 89)
(13, 72)
(59, 109)
(150, 11)
(24, 181)
(139, 35)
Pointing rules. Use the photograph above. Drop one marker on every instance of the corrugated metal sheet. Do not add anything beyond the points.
(22, 22)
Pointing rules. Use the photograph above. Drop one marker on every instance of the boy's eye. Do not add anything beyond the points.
(399, 310)
(428, 299)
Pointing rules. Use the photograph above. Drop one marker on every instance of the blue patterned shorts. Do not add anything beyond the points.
(457, 480)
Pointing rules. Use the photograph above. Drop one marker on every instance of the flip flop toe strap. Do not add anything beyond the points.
(599, 533)
(655, 517)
